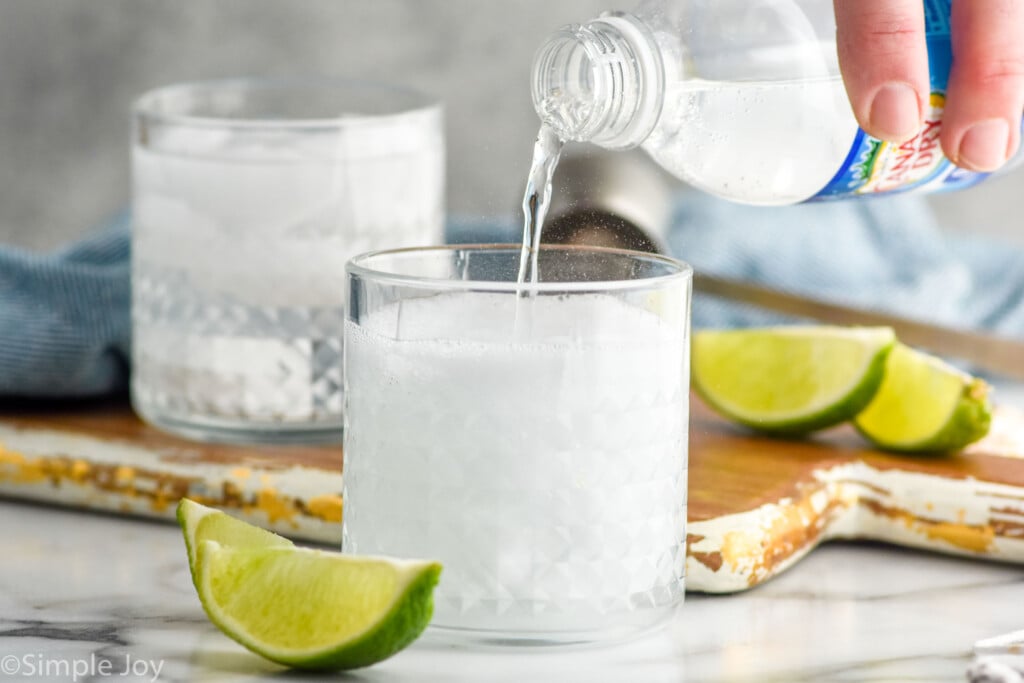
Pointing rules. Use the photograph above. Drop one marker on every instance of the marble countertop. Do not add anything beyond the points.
(89, 597)
(78, 589)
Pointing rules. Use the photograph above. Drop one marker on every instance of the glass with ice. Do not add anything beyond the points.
(249, 197)
(532, 436)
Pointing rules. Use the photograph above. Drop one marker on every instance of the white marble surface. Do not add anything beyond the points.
(93, 593)
(74, 585)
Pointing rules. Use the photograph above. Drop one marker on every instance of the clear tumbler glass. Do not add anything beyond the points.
(532, 437)
(249, 197)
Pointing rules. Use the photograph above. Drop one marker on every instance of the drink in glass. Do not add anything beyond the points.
(249, 197)
(531, 436)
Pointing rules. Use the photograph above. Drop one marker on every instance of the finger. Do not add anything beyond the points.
(884, 60)
(985, 95)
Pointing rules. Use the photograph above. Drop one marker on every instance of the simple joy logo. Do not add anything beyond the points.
(77, 668)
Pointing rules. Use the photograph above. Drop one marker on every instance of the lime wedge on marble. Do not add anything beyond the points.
(303, 608)
(925, 405)
(791, 379)
(201, 523)
(312, 609)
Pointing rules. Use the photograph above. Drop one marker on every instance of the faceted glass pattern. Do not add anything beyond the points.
(546, 472)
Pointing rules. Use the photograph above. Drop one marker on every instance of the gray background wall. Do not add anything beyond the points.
(69, 70)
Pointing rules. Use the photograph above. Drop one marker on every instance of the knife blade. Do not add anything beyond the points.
(1001, 355)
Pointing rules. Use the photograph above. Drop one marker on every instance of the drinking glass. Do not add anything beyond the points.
(249, 197)
(530, 436)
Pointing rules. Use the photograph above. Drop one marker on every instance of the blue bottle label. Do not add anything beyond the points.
(874, 166)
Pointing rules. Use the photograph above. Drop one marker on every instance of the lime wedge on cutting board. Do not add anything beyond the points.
(304, 608)
(792, 379)
(925, 404)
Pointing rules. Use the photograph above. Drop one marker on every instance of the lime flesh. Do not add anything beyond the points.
(925, 405)
(201, 523)
(793, 379)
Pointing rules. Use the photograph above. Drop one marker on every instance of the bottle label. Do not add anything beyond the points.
(874, 166)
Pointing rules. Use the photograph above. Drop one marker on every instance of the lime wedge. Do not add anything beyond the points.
(304, 608)
(312, 609)
(790, 380)
(200, 523)
(925, 405)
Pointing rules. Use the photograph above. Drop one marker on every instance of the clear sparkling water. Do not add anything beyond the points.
(549, 476)
(716, 139)
(238, 270)
(536, 199)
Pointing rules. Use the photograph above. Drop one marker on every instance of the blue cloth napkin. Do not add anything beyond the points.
(884, 253)
(65, 317)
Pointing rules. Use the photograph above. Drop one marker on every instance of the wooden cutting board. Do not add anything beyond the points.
(756, 505)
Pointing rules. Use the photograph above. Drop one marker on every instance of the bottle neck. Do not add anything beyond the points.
(601, 82)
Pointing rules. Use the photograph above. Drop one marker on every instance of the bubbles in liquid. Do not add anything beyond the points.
(570, 114)
(543, 526)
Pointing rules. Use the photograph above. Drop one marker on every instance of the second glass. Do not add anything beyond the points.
(249, 197)
(532, 437)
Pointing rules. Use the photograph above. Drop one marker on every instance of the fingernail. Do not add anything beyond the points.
(983, 146)
(895, 113)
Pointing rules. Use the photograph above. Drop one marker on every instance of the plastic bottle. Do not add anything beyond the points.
(740, 98)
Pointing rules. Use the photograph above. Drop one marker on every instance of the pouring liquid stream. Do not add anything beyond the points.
(536, 200)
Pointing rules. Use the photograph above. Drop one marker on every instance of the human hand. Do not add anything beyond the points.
(884, 61)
